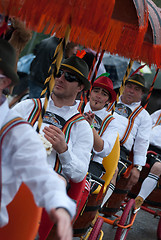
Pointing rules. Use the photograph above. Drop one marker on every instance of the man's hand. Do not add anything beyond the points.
(63, 221)
(89, 116)
(56, 137)
(133, 178)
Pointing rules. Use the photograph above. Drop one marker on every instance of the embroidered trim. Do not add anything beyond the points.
(105, 124)
(35, 111)
(67, 127)
(158, 122)
(67, 130)
(103, 127)
(110, 106)
(131, 119)
(81, 106)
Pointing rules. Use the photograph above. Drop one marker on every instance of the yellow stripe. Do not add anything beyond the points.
(131, 80)
(59, 50)
(103, 84)
(73, 68)
(128, 70)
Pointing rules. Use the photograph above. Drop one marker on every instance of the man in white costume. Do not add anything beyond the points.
(23, 158)
(70, 136)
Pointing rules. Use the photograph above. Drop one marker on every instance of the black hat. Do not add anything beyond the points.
(8, 61)
(137, 79)
(79, 68)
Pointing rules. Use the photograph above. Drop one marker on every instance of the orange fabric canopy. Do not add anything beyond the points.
(88, 18)
(131, 18)
(151, 48)
(120, 26)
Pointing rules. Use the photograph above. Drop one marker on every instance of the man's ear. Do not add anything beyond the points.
(80, 87)
(108, 101)
(4, 83)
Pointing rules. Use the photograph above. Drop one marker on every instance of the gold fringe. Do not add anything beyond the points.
(88, 18)
(91, 24)
(151, 54)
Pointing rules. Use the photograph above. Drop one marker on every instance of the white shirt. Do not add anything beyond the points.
(140, 133)
(109, 136)
(24, 160)
(155, 136)
(75, 160)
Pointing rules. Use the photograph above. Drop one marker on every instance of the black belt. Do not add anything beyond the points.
(127, 152)
(155, 149)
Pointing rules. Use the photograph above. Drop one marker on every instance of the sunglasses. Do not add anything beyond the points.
(68, 76)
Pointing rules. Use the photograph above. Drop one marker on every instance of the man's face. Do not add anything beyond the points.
(99, 97)
(132, 93)
(73, 51)
(4, 82)
(67, 86)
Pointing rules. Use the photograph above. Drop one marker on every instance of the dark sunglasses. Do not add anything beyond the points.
(68, 76)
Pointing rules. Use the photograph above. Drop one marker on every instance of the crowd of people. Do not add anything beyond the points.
(69, 143)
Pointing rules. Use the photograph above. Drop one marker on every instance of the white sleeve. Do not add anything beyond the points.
(155, 136)
(141, 143)
(109, 138)
(30, 165)
(24, 108)
(154, 116)
(75, 160)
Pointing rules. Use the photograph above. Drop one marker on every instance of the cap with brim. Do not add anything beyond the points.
(8, 61)
(79, 68)
(137, 79)
(105, 83)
